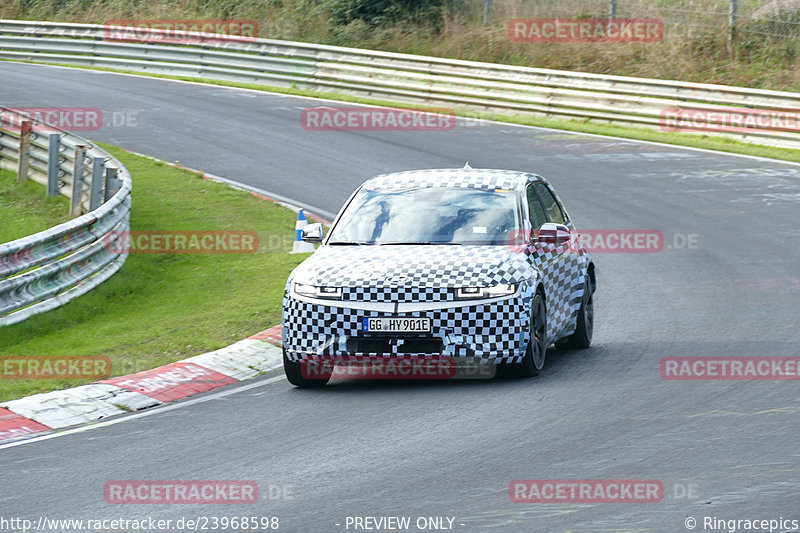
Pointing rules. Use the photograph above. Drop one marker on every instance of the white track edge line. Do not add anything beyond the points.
(151, 411)
(343, 102)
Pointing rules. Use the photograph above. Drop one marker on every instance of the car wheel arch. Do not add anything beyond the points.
(592, 276)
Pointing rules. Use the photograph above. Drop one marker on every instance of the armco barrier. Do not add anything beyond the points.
(751, 115)
(43, 271)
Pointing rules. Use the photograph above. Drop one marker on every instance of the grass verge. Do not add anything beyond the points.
(707, 142)
(695, 47)
(25, 209)
(160, 308)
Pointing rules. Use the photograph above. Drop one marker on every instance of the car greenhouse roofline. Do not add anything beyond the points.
(453, 177)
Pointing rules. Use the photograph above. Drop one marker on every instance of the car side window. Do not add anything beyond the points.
(535, 210)
(551, 207)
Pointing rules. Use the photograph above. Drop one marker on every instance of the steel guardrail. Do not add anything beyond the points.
(45, 270)
(464, 85)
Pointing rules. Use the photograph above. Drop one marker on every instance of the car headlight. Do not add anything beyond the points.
(495, 291)
(314, 291)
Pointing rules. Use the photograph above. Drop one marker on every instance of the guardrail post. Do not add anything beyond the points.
(77, 181)
(733, 17)
(53, 163)
(96, 187)
(112, 184)
(24, 150)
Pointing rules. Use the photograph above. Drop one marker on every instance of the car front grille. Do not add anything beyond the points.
(392, 345)
(398, 294)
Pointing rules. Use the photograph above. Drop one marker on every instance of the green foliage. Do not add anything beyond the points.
(764, 55)
(384, 12)
(160, 308)
(25, 209)
(779, 20)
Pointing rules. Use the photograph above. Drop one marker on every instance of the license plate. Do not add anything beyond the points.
(396, 325)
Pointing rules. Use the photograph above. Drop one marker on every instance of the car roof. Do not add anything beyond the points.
(473, 178)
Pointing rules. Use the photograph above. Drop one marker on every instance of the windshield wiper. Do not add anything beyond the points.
(351, 243)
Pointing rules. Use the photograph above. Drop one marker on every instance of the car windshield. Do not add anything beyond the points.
(430, 215)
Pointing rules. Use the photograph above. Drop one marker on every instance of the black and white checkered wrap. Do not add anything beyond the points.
(398, 294)
(470, 178)
(563, 271)
(498, 331)
(403, 272)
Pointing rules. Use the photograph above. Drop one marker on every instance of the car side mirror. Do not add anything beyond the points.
(312, 233)
(552, 233)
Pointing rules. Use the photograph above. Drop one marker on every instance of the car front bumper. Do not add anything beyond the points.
(496, 330)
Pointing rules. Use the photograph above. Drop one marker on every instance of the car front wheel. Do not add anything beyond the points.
(582, 337)
(533, 360)
(295, 375)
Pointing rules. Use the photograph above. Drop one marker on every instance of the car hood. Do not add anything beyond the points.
(413, 265)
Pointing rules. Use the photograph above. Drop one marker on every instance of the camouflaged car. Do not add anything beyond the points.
(450, 264)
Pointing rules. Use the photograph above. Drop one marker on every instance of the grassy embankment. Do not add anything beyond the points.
(25, 209)
(160, 308)
(766, 54)
(754, 60)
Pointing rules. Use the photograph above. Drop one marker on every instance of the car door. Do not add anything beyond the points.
(556, 261)
(567, 268)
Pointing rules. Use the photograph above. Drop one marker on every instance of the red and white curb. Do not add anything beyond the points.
(89, 403)
(115, 396)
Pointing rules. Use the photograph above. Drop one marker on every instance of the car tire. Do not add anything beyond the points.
(582, 338)
(533, 360)
(295, 376)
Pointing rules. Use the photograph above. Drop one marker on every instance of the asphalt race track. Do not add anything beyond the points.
(726, 283)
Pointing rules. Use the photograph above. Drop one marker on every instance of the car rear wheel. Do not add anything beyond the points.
(533, 360)
(582, 337)
(295, 375)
